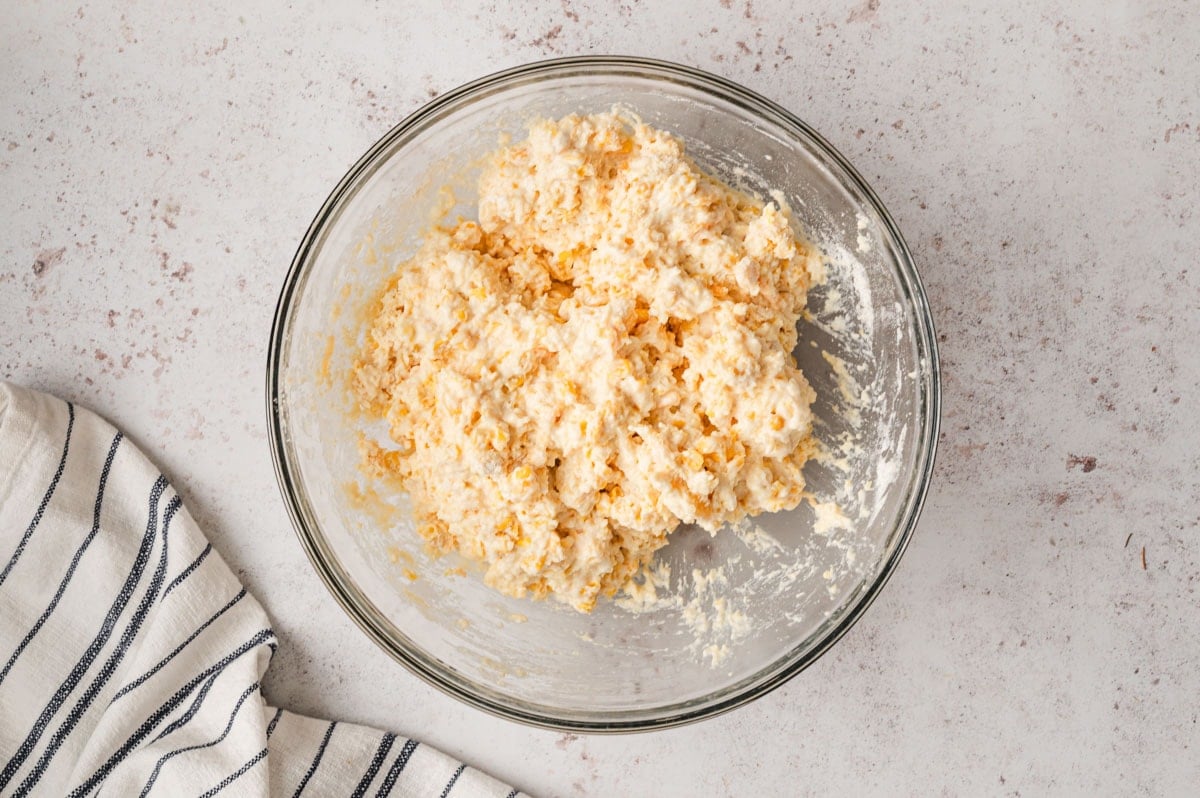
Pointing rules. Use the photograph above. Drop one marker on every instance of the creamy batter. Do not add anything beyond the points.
(603, 355)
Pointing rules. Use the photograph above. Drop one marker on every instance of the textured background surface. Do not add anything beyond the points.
(1043, 161)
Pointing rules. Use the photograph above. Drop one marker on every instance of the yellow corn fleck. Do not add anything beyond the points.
(508, 527)
(410, 574)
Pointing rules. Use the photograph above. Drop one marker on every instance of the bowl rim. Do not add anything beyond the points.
(287, 475)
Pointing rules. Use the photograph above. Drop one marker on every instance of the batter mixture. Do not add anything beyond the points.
(604, 354)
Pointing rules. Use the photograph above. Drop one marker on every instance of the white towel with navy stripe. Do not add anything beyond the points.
(130, 656)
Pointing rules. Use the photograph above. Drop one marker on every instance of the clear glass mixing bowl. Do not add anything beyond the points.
(742, 611)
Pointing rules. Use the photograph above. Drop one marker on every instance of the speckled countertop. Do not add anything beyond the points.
(1043, 159)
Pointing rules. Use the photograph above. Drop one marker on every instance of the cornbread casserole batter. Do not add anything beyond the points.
(605, 354)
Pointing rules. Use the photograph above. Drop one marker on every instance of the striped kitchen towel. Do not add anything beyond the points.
(131, 657)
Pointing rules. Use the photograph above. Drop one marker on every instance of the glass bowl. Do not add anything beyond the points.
(740, 612)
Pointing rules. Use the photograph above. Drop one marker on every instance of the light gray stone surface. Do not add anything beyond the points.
(159, 162)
